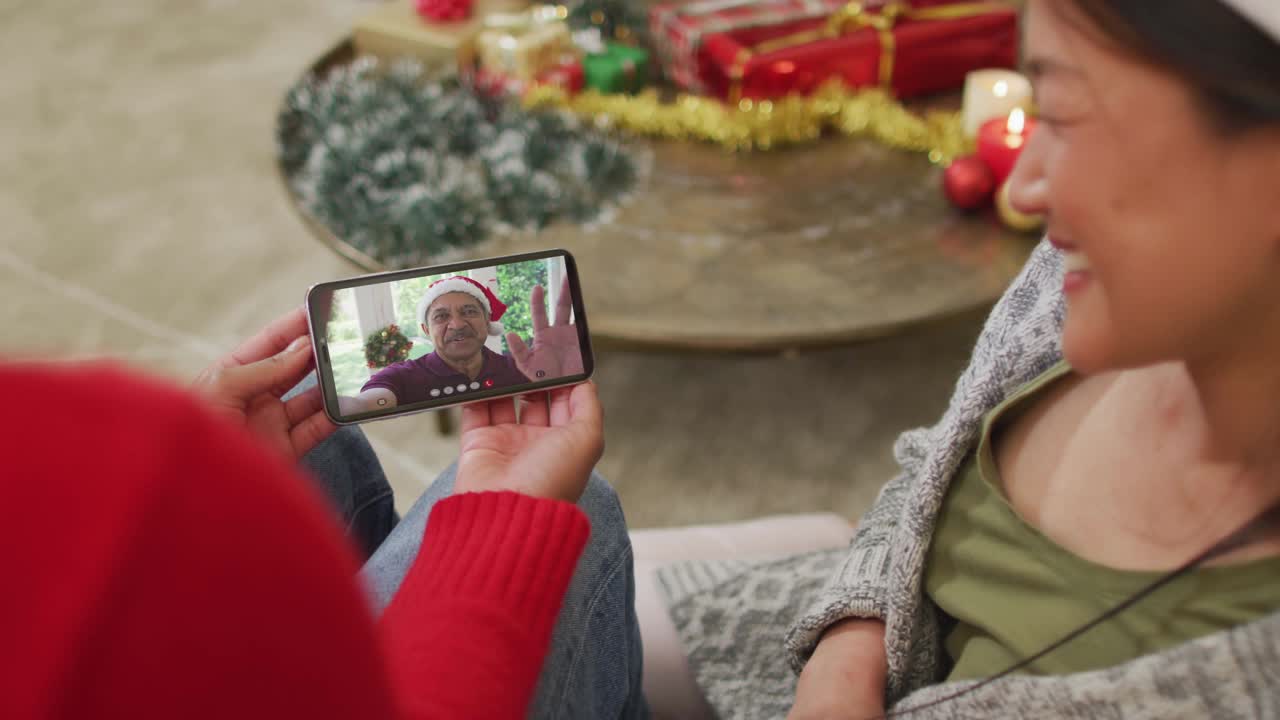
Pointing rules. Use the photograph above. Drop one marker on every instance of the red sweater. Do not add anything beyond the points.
(156, 562)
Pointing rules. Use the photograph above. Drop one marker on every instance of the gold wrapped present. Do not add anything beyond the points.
(395, 30)
(524, 45)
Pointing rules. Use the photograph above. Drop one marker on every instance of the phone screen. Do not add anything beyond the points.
(413, 340)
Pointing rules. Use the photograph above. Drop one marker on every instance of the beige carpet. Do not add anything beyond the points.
(141, 219)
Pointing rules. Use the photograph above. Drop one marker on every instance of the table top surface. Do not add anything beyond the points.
(834, 242)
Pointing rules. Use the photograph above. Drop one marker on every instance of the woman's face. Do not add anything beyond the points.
(1172, 229)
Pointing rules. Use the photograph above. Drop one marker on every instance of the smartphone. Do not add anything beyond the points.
(408, 341)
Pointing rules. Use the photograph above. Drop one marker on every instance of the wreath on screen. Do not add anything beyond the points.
(386, 347)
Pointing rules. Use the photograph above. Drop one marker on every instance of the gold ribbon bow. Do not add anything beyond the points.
(852, 18)
(503, 41)
(525, 20)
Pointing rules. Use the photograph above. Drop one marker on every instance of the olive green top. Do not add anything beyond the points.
(1012, 591)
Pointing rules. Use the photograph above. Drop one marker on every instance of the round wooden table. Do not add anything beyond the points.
(835, 242)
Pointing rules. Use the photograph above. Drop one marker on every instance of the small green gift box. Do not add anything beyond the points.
(619, 69)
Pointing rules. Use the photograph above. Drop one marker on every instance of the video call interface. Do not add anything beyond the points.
(435, 339)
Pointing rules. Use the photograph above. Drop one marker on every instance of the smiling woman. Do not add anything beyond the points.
(1134, 201)
(1118, 422)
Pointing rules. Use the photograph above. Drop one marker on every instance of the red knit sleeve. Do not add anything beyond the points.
(158, 563)
(184, 571)
(468, 630)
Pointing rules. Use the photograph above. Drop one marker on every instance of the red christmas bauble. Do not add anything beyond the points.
(445, 10)
(968, 182)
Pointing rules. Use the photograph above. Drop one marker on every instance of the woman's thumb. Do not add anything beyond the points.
(276, 374)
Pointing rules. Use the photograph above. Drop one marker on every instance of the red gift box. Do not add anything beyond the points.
(568, 76)
(678, 27)
(912, 49)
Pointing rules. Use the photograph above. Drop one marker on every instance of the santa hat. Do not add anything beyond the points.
(1264, 13)
(493, 307)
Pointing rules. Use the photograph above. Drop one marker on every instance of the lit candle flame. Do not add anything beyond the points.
(1017, 121)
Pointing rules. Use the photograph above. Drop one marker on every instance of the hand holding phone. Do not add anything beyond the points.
(549, 452)
(248, 385)
(394, 343)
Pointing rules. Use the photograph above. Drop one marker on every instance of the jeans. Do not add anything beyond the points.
(352, 478)
(593, 666)
(348, 471)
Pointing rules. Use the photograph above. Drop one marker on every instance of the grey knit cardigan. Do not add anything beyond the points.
(749, 627)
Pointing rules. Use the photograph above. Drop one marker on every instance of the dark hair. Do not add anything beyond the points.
(1230, 62)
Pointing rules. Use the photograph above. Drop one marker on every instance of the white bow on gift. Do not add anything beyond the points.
(590, 41)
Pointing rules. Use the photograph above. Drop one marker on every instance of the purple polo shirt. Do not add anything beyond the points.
(413, 380)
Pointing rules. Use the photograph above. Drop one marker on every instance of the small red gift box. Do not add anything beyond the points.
(568, 76)
(912, 49)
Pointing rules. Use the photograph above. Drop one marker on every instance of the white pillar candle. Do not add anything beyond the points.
(993, 93)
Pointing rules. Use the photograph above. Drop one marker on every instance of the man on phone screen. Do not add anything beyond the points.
(459, 314)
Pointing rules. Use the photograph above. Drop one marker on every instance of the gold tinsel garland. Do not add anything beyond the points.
(768, 124)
